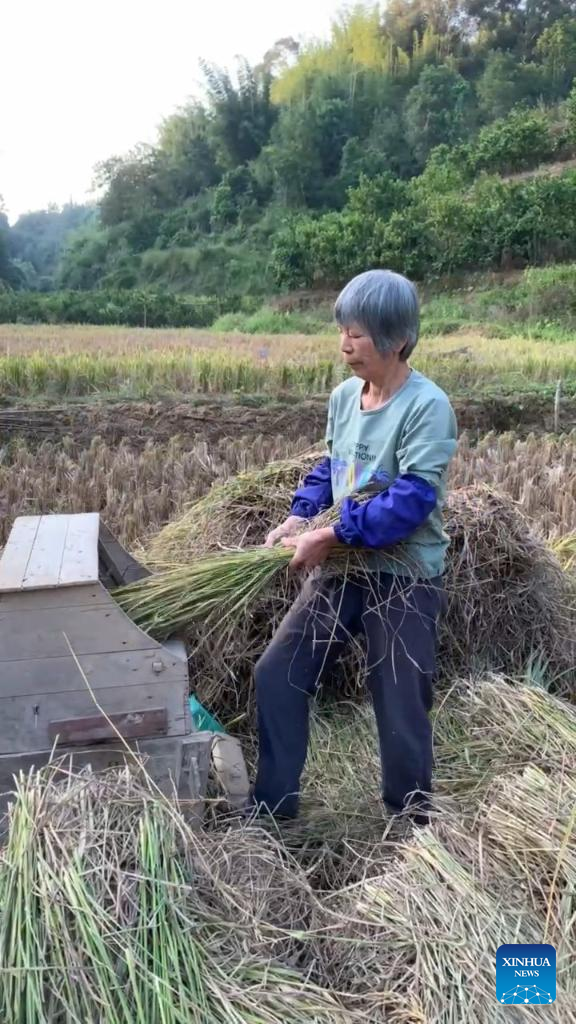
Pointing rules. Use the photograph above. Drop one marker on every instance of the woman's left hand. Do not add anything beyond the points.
(311, 548)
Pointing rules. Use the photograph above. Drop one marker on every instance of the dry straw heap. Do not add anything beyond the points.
(510, 604)
(114, 911)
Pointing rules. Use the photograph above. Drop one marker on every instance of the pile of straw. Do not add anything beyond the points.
(429, 926)
(422, 919)
(236, 513)
(510, 604)
(484, 731)
(113, 910)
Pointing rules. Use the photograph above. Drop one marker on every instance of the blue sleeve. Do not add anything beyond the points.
(388, 517)
(315, 493)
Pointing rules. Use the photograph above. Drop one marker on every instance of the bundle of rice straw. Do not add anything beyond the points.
(510, 604)
(114, 911)
(429, 927)
(235, 514)
(530, 820)
(565, 550)
(483, 730)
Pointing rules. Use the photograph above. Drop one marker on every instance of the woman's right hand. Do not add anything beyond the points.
(288, 528)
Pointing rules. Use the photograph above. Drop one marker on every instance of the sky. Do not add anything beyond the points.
(80, 82)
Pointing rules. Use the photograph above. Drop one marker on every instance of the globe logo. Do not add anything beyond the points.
(526, 973)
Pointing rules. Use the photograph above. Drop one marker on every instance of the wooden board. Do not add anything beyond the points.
(40, 633)
(80, 559)
(26, 720)
(162, 761)
(50, 551)
(132, 725)
(39, 676)
(46, 554)
(63, 597)
(16, 554)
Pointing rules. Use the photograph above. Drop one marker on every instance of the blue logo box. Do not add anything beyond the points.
(526, 974)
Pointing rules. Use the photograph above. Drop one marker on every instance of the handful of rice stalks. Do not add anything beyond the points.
(236, 513)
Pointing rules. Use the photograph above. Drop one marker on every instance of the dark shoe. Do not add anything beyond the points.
(414, 814)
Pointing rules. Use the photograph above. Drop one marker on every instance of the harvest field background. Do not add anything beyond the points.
(338, 918)
(166, 354)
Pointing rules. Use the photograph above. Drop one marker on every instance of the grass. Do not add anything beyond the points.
(541, 299)
(206, 364)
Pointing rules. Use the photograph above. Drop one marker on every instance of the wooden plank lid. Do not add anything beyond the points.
(50, 551)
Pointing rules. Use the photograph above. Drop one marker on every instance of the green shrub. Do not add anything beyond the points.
(131, 308)
(272, 321)
(514, 143)
(493, 223)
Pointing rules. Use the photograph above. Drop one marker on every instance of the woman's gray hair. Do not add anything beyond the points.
(383, 304)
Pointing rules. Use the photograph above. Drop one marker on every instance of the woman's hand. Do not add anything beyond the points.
(311, 548)
(286, 529)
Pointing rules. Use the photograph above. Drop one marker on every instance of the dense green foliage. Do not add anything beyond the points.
(540, 301)
(134, 307)
(37, 240)
(385, 144)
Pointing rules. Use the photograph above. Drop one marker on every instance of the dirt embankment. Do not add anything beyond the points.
(214, 419)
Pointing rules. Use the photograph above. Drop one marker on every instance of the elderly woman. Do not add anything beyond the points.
(391, 433)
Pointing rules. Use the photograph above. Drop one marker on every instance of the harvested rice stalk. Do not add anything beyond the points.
(483, 729)
(430, 927)
(114, 911)
(528, 822)
(237, 513)
(509, 601)
(565, 550)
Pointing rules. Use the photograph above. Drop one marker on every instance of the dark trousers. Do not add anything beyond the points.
(399, 619)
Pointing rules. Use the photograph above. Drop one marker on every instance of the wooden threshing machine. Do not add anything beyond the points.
(78, 677)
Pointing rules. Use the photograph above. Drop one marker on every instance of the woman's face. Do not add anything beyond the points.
(361, 355)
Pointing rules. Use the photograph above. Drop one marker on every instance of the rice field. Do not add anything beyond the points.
(137, 490)
(113, 909)
(146, 363)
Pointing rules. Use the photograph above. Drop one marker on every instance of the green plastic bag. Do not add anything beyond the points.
(202, 718)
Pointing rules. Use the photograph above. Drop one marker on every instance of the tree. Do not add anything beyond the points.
(571, 112)
(437, 110)
(556, 48)
(521, 140)
(134, 186)
(241, 112)
(306, 151)
(516, 25)
(506, 83)
(407, 22)
(184, 142)
(378, 197)
(233, 198)
(85, 258)
(37, 239)
(9, 274)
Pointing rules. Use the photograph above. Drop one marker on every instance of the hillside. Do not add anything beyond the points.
(432, 137)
